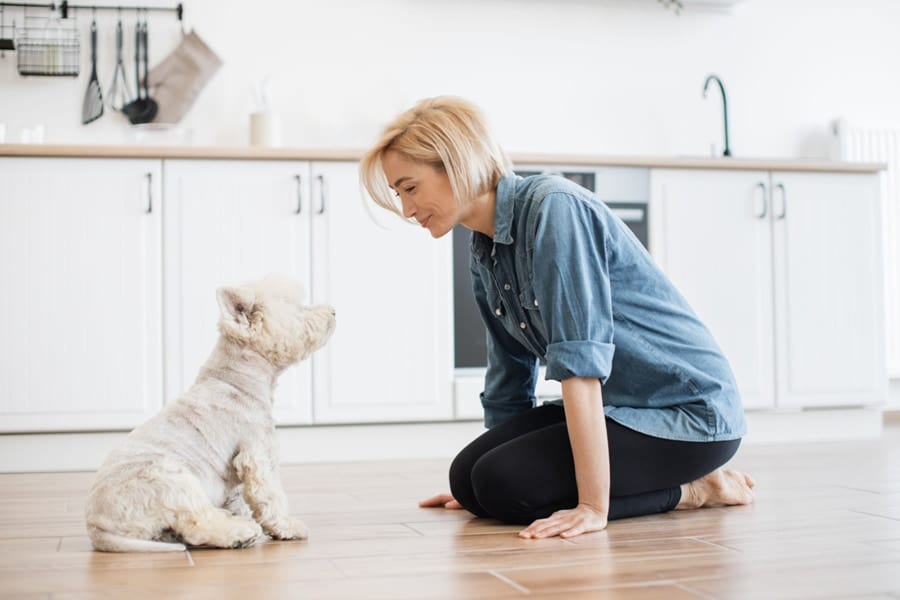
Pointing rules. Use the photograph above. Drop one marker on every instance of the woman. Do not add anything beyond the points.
(650, 410)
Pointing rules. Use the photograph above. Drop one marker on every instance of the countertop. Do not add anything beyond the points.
(350, 154)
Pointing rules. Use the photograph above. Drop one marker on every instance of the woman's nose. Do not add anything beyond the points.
(409, 210)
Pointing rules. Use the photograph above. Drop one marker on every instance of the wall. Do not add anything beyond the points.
(599, 76)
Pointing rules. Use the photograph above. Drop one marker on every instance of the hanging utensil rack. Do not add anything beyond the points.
(51, 46)
(64, 7)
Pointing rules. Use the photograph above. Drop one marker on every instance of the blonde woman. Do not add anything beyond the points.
(650, 411)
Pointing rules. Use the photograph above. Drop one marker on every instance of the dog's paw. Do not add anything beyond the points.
(288, 529)
(241, 533)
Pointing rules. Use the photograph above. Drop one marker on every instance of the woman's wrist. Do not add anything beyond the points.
(601, 508)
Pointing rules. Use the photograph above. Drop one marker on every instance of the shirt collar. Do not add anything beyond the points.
(503, 217)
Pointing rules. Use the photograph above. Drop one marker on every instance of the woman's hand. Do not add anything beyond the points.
(567, 523)
(445, 500)
(583, 402)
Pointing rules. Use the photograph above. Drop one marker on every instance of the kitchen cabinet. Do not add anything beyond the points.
(80, 265)
(784, 268)
(231, 221)
(110, 266)
(227, 222)
(391, 355)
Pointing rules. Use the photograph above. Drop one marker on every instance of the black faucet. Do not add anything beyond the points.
(727, 151)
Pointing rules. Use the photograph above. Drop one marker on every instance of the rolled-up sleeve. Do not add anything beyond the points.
(579, 359)
(572, 287)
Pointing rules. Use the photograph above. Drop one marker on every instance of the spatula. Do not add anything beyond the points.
(92, 107)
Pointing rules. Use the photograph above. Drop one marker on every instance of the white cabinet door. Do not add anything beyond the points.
(711, 235)
(228, 222)
(828, 283)
(390, 357)
(80, 310)
(785, 269)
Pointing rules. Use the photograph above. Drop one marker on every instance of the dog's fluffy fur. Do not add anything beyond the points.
(204, 471)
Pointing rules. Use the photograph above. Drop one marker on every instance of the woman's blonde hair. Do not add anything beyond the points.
(447, 133)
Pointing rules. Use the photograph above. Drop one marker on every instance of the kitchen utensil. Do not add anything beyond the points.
(151, 106)
(142, 109)
(92, 107)
(119, 95)
(134, 108)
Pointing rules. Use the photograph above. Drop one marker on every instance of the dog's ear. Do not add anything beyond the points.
(235, 306)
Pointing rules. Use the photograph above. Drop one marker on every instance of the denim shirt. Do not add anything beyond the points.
(565, 280)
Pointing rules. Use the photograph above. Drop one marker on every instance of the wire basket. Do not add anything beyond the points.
(7, 38)
(7, 33)
(48, 47)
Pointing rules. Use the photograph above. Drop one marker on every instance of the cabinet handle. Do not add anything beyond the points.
(783, 212)
(761, 213)
(149, 193)
(299, 195)
(321, 179)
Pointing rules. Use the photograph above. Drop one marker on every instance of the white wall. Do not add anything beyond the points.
(598, 76)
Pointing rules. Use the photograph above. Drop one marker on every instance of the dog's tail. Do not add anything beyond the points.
(105, 541)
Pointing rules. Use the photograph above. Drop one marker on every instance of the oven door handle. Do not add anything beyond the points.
(630, 215)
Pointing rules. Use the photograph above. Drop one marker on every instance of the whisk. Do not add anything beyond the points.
(119, 95)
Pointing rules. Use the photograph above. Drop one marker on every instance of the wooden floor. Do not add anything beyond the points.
(826, 524)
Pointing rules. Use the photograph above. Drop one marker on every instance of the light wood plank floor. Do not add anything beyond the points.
(826, 524)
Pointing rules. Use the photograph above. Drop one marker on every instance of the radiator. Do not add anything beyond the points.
(863, 143)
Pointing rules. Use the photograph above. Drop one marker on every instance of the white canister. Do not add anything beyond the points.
(265, 129)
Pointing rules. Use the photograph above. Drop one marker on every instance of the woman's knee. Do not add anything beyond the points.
(461, 482)
(502, 494)
(460, 475)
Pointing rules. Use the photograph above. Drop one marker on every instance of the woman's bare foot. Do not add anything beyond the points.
(723, 487)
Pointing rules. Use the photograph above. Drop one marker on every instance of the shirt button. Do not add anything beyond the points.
(498, 312)
(522, 325)
(535, 303)
(507, 287)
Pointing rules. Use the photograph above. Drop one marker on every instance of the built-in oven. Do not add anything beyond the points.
(625, 190)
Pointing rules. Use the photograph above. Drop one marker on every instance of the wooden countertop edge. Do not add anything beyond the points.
(189, 152)
(352, 154)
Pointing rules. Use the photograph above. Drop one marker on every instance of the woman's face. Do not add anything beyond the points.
(424, 191)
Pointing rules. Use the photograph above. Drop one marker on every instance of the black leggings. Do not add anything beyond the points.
(522, 469)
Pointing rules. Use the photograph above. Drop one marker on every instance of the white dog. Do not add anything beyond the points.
(204, 471)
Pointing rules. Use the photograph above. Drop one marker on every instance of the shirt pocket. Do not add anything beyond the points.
(531, 308)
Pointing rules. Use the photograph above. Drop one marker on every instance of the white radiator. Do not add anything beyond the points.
(861, 143)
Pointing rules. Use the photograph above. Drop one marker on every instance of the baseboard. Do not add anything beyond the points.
(41, 452)
(342, 443)
(819, 425)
